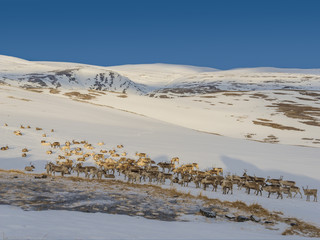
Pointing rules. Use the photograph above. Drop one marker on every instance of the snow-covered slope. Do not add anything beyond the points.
(247, 79)
(262, 104)
(22, 73)
(162, 141)
(180, 80)
(158, 75)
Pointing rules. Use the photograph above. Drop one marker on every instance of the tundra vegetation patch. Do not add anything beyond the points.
(42, 192)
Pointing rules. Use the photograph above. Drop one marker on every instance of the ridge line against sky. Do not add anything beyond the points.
(219, 34)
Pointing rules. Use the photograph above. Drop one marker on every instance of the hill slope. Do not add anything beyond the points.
(26, 74)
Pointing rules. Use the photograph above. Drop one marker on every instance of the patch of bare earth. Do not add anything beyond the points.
(54, 91)
(36, 90)
(81, 96)
(271, 139)
(22, 99)
(276, 125)
(308, 114)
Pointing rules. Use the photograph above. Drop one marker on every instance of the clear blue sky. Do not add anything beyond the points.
(221, 34)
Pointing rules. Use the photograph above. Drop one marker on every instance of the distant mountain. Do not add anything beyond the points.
(26, 74)
(153, 79)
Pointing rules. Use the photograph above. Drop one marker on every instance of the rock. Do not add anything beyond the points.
(293, 224)
(268, 222)
(208, 214)
(41, 176)
(230, 216)
(255, 218)
(242, 218)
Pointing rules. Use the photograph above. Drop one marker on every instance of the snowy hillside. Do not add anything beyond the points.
(164, 111)
(260, 104)
(161, 141)
(158, 75)
(26, 74)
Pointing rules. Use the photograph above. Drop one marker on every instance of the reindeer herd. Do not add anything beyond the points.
(112, 162)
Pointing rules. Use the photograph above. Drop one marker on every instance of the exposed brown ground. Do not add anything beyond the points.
(54, 91)
(78, 95)
(276, 125)
(22, 99)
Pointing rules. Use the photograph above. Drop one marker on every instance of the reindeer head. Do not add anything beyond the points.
(245, 172)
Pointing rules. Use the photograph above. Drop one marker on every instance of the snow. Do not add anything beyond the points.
(18, 224)
(163, 128)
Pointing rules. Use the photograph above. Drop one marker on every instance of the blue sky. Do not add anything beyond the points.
(220, 34)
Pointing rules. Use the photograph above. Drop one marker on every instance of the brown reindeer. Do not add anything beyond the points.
(253, 185)
(55, 145)
(227, 185)
(29, 168)
(4, 148)
(273, 189)
(310, 192)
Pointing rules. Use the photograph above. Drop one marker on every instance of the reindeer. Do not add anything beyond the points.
(274, 181)
(79, 169)
(247, 177)
(62, 169)
(133, 176)
(44, 143)
(109, 166)
(175, 160)
(4, 148)
(141, 154)
(197, 180)
(310, 192)
(217, 171)
(273, 189)
(253, 185)
(55, 145)
(287, 183)
(98, 173)
(207, 181)
(48, 168)
(296, 190)
(18, 133)
(165, 165)
(29, 168)
(185, 179)
(163, 176)
(286, 190)
(227, 185)
(65, 148)
(89, 170)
